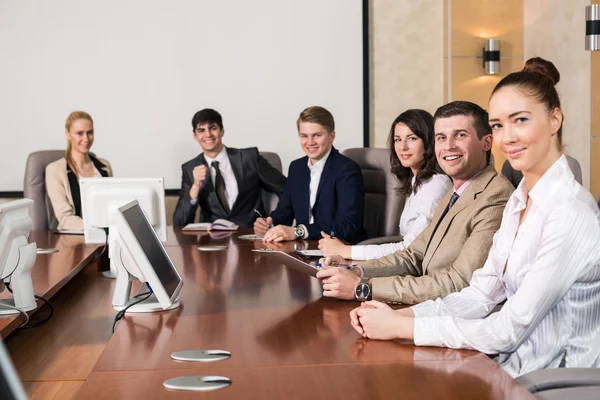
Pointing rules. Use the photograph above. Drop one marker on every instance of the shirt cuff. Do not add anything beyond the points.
(358, 252)
(424, 309)
(193, 202)
(427, 331)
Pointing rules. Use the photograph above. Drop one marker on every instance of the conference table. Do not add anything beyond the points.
(286, 340)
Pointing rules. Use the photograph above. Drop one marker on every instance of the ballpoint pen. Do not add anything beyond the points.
(331, 235)
(258, 212)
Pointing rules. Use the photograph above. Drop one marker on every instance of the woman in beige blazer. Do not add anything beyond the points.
(62, 176)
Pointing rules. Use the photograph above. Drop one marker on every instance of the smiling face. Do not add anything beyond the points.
(524, 130)
(459, 151)
(209, 136)
(81, 135)
(409, 148)
(316, 141)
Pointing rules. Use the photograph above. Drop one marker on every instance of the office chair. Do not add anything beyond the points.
(563, 383)
(34, 188)
(383, 203)
(515, 176)
(270, 200)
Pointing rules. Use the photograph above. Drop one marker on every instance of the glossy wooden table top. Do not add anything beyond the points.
(286, 340)
(471, 377)
(51, 271)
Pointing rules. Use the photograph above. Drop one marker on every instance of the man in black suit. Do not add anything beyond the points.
(324, 192)
(225, 182)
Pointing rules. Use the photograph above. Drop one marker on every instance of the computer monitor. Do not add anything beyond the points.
(10, 384)
(139, 254)
(17, 256)
(100, 197)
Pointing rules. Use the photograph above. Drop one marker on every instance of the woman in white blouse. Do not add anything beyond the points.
(544, 261)
(413, 161)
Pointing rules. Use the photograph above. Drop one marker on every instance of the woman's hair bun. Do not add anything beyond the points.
(544, 67)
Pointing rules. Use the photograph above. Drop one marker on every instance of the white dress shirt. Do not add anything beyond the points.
(231, 186)
(316, 170)
(551, 284)
(416, 216)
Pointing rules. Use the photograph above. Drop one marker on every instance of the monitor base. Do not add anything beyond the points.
(148, 306)
(11, 303)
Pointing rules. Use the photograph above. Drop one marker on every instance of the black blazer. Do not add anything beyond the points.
(340, 202)
(252, 173)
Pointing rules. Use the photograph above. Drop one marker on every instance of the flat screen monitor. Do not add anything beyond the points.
(102, 196)
(10, 384)
(15, 225)
(146, 258)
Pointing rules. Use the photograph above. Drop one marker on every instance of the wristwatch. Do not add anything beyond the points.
(363, 290)
(299, 232)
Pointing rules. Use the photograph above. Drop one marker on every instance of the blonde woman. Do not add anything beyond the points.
(62, 176)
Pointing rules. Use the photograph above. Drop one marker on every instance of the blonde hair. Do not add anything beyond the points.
(74, 116)
(317, 115)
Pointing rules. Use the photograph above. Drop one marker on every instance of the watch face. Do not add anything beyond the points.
(362, 291)
(299, 232)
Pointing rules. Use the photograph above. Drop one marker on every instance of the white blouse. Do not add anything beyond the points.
(416, 216)
(551, 284)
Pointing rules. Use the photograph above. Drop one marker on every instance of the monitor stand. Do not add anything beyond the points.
(122, 292)
(23, 254)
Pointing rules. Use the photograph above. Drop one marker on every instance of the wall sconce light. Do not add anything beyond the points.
(592, 27)
(491, 57)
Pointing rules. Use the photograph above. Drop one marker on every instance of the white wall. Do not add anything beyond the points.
(142, 68)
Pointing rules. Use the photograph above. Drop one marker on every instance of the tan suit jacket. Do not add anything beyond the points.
(441, 261)
(59, 193)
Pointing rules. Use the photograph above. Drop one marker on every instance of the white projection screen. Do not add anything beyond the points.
(142, 68)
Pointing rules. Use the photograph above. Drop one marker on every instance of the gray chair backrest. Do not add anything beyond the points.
(270, 200)
(515, 176)
(562, 383)
(383, 203)
(34, 188)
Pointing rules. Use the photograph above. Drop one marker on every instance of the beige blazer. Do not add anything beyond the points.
(59, 192)
(441, 261)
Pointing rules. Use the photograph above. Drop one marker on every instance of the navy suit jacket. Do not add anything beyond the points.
(340, 202)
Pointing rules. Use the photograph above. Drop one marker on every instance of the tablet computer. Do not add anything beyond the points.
(290, 261)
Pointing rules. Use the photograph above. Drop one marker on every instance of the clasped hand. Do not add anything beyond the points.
(377, 320)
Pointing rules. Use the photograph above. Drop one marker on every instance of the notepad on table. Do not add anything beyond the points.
(218, 225)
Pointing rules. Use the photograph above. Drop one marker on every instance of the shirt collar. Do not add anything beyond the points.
(319, 165)
(465, 185)
(221, 157)
(543, 191)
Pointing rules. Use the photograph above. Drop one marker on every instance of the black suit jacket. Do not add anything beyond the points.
(252, 173)
(340, 202)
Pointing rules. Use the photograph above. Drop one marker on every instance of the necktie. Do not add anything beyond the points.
(220, 187)
(453, 200)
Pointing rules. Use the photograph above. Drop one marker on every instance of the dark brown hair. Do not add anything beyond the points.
(420, 122)
(479, 115)
(537, 79)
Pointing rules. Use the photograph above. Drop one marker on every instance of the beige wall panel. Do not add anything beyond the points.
(473, 21)
(595, 186)
(406, 60)
(558, 37)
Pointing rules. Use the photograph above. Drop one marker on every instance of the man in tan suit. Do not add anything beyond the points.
(443, 257)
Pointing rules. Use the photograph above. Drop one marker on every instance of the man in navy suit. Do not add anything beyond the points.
(324, 190)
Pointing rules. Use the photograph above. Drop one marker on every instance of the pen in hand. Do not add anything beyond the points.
(258, 213)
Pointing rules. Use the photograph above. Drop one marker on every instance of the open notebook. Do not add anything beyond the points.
(218, 225)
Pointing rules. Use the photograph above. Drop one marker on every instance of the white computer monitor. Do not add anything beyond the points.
(17, 256)
(139, 255)
(101, 197)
